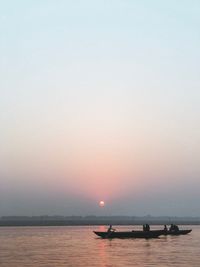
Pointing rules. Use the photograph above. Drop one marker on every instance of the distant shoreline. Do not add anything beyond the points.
(94, 220)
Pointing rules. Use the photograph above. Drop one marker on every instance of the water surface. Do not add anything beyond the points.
(79, 247)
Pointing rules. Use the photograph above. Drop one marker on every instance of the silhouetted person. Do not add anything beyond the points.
(110, 229)
(147, 227)
(165, 228)
(176, 228)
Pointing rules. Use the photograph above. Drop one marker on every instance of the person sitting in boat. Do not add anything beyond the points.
(146, 227)
(110, 229)
(174, 227)
(165, 228)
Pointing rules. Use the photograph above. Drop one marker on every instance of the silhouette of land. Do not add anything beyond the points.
(94, 220)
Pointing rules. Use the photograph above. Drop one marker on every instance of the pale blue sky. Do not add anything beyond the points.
(106, 92)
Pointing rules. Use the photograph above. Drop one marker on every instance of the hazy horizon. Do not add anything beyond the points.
(100, 101)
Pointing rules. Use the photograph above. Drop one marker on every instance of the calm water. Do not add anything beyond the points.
(78, 246)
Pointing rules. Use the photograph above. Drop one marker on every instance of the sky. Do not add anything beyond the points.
(99, 100)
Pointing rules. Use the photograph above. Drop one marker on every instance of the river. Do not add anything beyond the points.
(75, 246)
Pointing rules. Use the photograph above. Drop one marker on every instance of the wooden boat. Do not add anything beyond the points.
(130, 234)
(177, 232)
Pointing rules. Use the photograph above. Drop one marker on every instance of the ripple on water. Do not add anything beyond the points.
(79, 247)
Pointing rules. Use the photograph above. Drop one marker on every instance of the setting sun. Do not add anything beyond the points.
(101, 203)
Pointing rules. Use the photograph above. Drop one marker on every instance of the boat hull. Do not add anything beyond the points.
(133, 234)
(179, 232)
